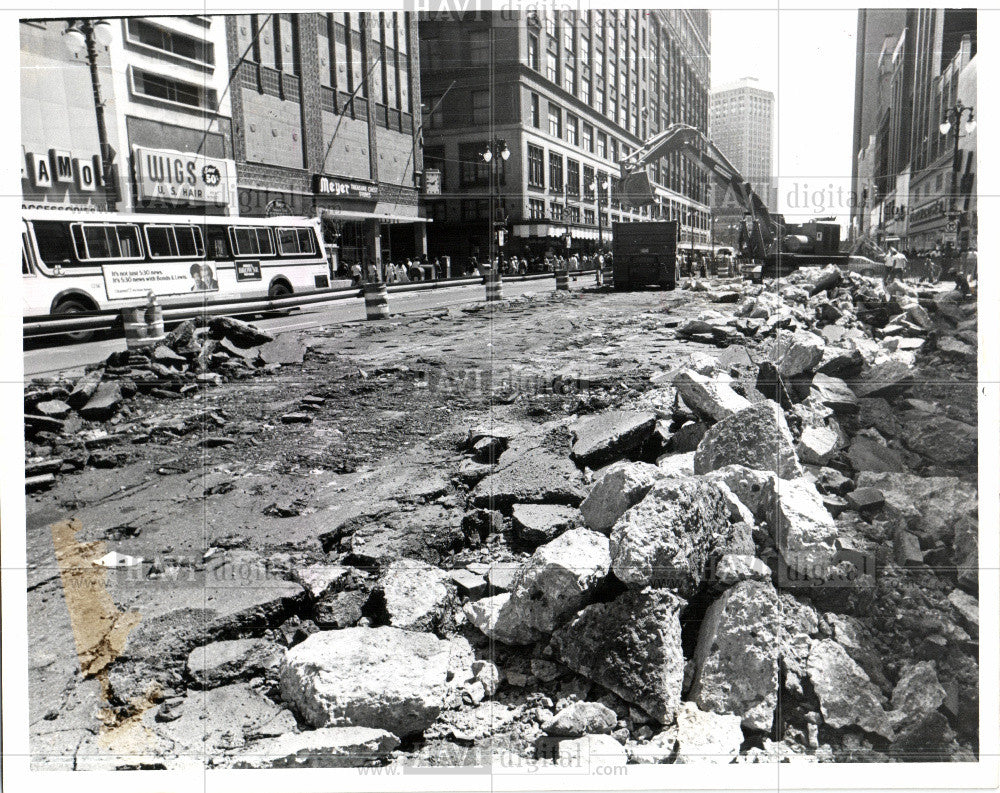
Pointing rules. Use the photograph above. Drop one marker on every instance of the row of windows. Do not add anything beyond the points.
(560, 179)
(62, 243)
(596, 142)
(149, 34)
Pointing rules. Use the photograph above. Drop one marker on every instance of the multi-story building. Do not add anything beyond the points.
(326, 112)
(911, 188)
(741, 124)
(163, 120)
(569, 94)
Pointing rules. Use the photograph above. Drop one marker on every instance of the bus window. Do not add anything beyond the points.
(172, 242)
(251, 241)
(54, 243)
(217, 247)
(296, 241)
(25, 264)
(110, 241)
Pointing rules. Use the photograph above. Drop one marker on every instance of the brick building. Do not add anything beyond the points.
(571, 95)
(326, 121)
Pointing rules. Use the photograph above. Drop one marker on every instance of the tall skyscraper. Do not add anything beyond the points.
(741, 122)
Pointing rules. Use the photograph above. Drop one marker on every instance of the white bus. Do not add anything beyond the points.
(74, 262)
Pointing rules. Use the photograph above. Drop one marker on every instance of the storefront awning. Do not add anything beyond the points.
(527, 230)
(382, 217)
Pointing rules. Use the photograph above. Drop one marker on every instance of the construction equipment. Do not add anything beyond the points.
(766, 241)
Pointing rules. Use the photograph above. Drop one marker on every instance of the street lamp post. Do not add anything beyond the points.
(596, 187)
(953, 118)
(82, 38)
(495, 155)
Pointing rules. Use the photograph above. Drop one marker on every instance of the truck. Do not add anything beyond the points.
(770, 246)
(645, 253)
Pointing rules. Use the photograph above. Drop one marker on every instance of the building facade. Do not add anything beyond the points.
(568, 95)
(914, 179)
(326, 111)
(163, 115)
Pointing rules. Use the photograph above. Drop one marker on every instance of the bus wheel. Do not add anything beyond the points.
(71, 306)
(278, 290)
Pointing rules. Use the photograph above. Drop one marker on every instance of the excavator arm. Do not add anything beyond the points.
(761, 232)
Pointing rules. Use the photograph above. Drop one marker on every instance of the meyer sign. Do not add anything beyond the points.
(331, 185)
(122, 281)
(185, 178)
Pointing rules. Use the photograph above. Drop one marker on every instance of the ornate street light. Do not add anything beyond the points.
(82, 37)
(606, 185)
(495, 155)
(953, 119)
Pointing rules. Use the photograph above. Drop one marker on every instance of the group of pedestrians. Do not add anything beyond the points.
(935, 265)
(549, 263)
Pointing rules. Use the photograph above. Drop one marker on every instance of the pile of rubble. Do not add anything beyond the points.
(661, 578)
(66, 420)
(769, 555)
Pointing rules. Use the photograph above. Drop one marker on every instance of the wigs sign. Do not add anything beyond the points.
(183, 178)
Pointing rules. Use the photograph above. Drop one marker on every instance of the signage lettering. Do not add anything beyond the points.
(180, 177)
(329, 185)
(62, 165)
(41, 176)
(84, 175)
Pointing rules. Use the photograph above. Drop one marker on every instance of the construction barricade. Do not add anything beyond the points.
(376, 300)
(562, 280)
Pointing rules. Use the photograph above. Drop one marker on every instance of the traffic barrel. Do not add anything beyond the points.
(155, 333)
(376, 300)
(134, 321)
(494, 286)
(562, 280)
(609, 276)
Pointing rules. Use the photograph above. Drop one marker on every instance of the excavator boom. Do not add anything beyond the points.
(762, 230)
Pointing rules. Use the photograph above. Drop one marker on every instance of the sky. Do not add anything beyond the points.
(806, 58)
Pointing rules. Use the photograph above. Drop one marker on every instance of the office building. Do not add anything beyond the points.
(571, 94)
(326, 119)
(915, 176)
(741, 124)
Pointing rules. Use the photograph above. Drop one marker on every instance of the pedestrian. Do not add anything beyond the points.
(574, 264)
(900, 266)
(356, 274)
(888, 266)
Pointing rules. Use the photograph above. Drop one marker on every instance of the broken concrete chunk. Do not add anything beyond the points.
(670, 539)
(757, 437)
(606, 437)
(631, 646)
(535, 524)
(384, 678)
(847, 697)
(581, 718)
(618, 487)
(412, 595)
(712, 397)
(736, 659)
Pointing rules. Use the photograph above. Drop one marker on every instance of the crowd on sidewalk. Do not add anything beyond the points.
(424, 269)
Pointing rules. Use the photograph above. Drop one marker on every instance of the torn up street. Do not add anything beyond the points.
(727, 523)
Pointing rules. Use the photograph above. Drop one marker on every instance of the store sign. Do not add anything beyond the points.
(122, 281)
(182, 178)
(331, 185)
(59, 167)
(247, 271)
(432, 181)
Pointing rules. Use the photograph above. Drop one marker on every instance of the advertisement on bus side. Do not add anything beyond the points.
(122, 281)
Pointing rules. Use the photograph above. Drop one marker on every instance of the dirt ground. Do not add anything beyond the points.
(219, 481)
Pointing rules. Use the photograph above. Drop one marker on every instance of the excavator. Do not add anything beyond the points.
(767, 243)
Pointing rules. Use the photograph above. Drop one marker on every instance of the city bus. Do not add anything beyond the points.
(75, 262)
